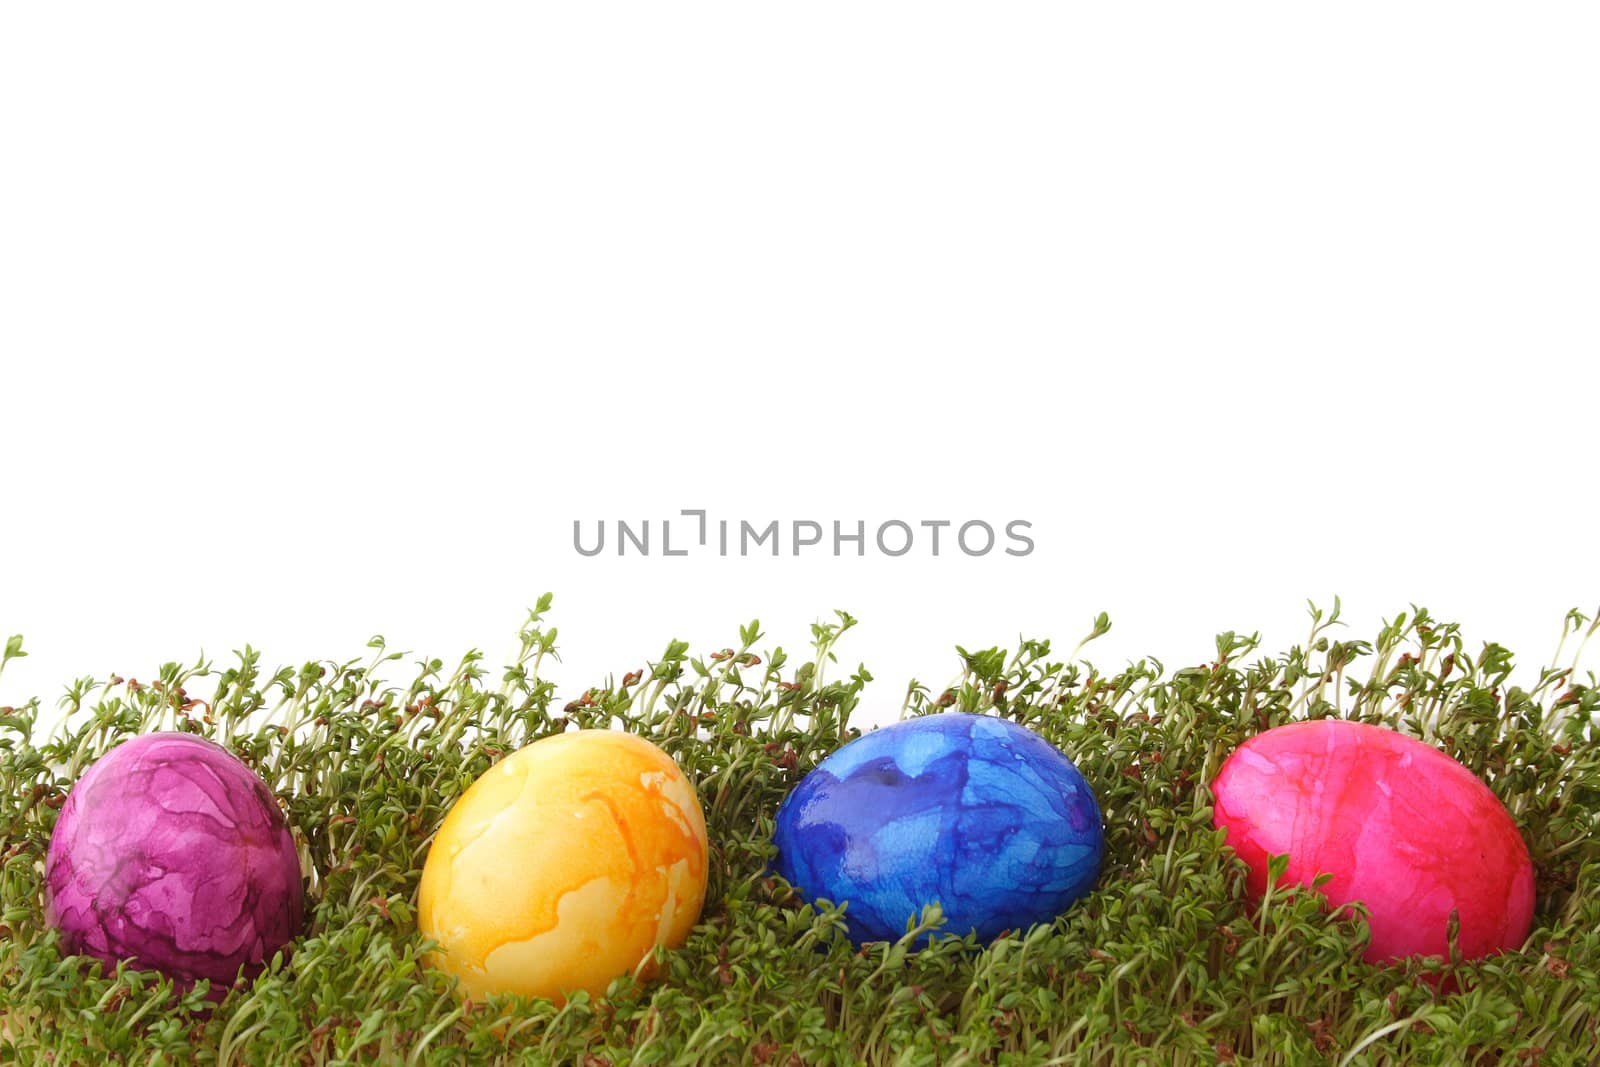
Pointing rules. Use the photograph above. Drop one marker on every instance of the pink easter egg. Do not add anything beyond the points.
(1396, 824)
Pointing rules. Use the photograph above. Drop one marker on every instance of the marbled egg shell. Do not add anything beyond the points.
(1399, 826)
(563, 866)
(980, 815)
(173, 854)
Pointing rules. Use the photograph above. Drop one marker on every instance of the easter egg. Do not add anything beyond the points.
(1396, 824)
(977, 814)
(564, 866)
(171, 853)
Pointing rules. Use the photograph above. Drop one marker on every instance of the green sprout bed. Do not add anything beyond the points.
(1163, 963)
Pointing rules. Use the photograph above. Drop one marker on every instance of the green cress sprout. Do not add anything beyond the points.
(1164, 962)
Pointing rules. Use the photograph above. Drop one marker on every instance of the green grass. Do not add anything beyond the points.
(1163, 963)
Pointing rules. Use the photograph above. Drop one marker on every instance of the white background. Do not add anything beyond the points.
(319, 320)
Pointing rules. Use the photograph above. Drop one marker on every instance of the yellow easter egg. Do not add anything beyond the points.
(563, 867)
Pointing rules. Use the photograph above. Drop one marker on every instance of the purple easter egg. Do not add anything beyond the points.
(172, 854)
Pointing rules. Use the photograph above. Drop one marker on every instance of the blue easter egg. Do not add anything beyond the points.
(980, 815)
